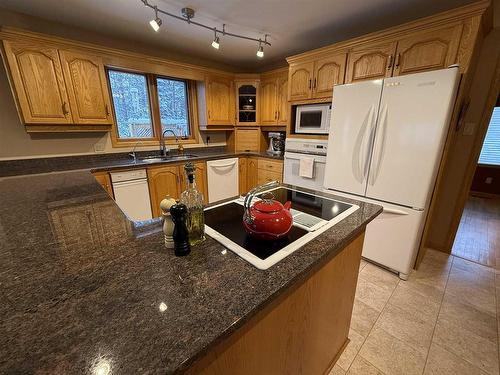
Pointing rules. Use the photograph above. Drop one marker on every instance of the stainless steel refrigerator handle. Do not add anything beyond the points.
(378, 150)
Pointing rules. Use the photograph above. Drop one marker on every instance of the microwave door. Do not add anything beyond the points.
(309, 121)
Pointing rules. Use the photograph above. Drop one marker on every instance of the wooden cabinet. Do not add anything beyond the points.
(105, 181)
(371, 62)
(251, 173)
(247, 103)
(247, 139)
(216, 102)
(269, 170)
(87, 88)
(200, 177)
(428, 50)
(38, 81)
(315, 79)
(242, 175)
(163, 181)
(274, 99)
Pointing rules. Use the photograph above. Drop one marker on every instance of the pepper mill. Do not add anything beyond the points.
(180, 235)
(168, 224)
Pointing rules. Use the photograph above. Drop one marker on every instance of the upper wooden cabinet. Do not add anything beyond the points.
(38, 81)
(371, 62)
(315, 79)
(87, 88)
(247, 102)
(274, 106)
(216, 104)
(427, 50)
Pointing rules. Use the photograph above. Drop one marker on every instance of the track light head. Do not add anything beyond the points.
(216, 43)
(156, 23)
(260, 51)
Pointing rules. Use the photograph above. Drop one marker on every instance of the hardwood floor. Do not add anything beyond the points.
(478, 236)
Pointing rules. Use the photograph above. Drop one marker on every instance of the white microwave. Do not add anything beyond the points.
(313, 118)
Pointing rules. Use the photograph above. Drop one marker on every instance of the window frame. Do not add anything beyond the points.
(154, 109)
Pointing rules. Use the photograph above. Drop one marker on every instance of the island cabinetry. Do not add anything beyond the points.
(303, 331)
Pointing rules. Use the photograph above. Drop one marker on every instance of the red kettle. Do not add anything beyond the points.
(267, 219)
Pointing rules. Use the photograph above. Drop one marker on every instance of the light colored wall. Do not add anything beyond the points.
(15, 143)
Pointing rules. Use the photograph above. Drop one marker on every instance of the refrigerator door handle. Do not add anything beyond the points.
(361, 153)
(379, 146)
(395, 211)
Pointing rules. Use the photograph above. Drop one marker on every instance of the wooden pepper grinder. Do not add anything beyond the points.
(168, 224)
(180, 235)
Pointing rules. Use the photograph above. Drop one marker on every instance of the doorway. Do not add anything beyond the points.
(478, 235)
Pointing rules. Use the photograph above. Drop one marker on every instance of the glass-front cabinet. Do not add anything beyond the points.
(247, 101)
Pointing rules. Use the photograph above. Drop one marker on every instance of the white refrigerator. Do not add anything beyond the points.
(385, 144)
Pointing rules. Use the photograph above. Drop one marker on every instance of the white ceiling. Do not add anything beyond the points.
(294, 25)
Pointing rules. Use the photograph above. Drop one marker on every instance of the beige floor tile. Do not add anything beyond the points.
(435, 275)
(336, 370)
(411, 300)
(432, 291)
(442, 362)
(390, 355)
(371, 294)
(351, 350)
(363, 317)
(362, 264)
(480, 297)
(467, 345)
(437, 257)
(380, 277)
(409, 327)
(481, 279)
(468, 317)
(466, 265)
(362, 367)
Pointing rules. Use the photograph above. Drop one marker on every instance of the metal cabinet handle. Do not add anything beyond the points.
(397, 60)
(278, 114)
(107, 110)
(389, 65)
(310, 83)
(65, 109)
(208, 113)
(275, 115)
(314, 83)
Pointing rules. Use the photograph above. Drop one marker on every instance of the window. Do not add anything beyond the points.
(490, 153)
(146, 105)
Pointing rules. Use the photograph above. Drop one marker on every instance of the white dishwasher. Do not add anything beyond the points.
(132, 193)
(222, 176)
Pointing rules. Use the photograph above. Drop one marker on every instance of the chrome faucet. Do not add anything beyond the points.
(163, 147)
(132, 154)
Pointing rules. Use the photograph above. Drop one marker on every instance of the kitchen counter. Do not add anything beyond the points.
(113, 161)
(83, 288)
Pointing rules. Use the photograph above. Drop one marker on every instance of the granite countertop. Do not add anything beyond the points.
(113, 161)
(84, 288)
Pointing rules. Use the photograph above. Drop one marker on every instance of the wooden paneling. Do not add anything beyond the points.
(105, 181)
(283, 105)
(371, 62)
(427, 50)
(39, 84)
(302, 332)
(268, 98)
(163, 181)
(300, 79)
(87, 88)
(251, 173)
(268, 176)
(242, 175)
(220, 101)
(247, 139)
(270, 165)
(328, 71)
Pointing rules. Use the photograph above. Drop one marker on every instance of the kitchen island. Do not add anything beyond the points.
(85, 290)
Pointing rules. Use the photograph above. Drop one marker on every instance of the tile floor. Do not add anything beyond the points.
(443, 320)
(478, 235)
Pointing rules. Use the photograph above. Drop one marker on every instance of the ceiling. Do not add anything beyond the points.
(294, 25)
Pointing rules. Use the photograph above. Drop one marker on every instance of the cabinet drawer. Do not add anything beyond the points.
(247, 140)
(267, 176)
(271, 165)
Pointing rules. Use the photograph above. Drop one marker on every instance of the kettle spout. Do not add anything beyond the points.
(287, 205)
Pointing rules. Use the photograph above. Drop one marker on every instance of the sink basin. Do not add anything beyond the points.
(157, 159)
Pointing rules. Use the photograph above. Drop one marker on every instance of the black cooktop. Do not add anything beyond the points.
(227, 220)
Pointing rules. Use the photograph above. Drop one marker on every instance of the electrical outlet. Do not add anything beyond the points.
(469, 128)
(488, 180)
(99, 147)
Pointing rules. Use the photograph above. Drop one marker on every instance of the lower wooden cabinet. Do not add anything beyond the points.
(259, 171)
(105, 181)
(251, 173)
(242, 175)
(171, 180)
(265, 176)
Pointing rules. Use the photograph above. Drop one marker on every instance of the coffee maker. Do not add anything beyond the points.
(276, 143)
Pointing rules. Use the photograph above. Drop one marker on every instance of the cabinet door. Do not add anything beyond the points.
(268, 104)
(283, 105)
(251, 173)
(242, 175)
(104, 180)
(427, 51)
(328, 71)
(300, 80)
(87, 88)
(247, 140)
(163, 181)
(220, 101)
(265, 176)
(371, 62)
(200, 176)
(39, 84)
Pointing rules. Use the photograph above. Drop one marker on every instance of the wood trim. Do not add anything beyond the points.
(30, 128)
(444, 18)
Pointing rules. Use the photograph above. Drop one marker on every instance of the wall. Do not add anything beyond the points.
(463, 144)
(15, 143)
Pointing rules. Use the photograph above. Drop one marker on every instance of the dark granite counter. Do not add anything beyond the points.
(83, 288)
(111, 161)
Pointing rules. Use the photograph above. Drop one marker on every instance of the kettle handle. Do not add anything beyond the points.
(250, 195)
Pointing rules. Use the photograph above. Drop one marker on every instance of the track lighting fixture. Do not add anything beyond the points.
(156, 23)
(187, 15)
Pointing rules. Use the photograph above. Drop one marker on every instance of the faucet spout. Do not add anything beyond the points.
(163, 147)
